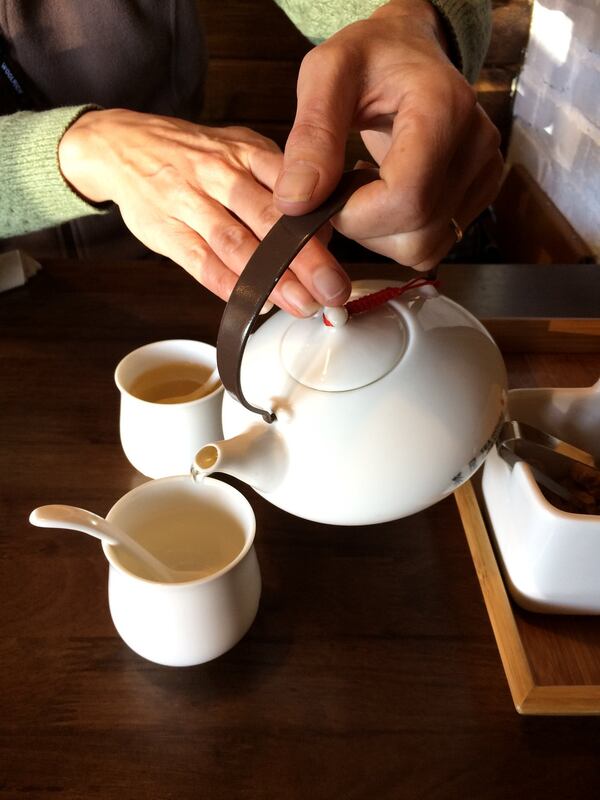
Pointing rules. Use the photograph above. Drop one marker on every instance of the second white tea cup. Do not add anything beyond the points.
(206, 530)
(161, 438)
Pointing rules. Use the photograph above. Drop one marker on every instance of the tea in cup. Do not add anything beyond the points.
(205, 533)
(171, 400)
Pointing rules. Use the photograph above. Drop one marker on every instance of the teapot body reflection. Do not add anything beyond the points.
(375, 419)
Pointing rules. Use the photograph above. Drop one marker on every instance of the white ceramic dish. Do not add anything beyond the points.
(550, 558)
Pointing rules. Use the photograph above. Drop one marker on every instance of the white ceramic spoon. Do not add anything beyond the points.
(78, 519)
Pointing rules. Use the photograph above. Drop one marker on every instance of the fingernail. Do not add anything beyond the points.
(329, 284)
(299, 298)
(297, 183)
(266, 308)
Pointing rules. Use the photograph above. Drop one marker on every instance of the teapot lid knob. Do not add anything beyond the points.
(335, 316)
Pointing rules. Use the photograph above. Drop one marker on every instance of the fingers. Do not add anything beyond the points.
(189, 250)
(198, 256)
(314, 152)
(314, 279)
(435, 110)
(383, 220)
(479, 195)
(424, 248)
(231, 245)
(478, 150)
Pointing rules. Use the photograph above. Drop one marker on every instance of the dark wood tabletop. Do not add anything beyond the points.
(371, 671)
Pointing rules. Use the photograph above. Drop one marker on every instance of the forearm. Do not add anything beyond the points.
(467, 23)
(33, 192)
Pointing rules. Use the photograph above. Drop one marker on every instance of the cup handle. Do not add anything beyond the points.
(260, 276)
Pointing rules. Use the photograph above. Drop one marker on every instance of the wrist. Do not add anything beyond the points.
(78, 156)
(423, 12)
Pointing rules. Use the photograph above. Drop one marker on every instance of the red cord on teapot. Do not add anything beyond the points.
(375, 299)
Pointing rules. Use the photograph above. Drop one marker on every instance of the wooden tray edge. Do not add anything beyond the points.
(528, 697)
(545, 335)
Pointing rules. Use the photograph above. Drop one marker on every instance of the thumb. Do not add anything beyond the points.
(314, 153)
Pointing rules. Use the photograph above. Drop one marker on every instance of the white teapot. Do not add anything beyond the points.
(352, 419)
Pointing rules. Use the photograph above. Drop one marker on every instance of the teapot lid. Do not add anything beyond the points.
(335, 353)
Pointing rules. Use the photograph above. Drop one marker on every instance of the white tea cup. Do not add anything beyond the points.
(205, 530)
(171, 399)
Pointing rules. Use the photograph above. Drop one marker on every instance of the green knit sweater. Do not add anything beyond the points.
(469, 23)
(33, 193)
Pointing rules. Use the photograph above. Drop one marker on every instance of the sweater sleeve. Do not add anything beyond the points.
(33, 192)
(468, 22)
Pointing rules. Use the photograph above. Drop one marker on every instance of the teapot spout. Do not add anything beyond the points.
(256, 457)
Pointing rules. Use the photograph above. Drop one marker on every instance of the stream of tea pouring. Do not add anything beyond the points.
(78, 519)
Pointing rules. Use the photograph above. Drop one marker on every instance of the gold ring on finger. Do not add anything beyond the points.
(458, 231)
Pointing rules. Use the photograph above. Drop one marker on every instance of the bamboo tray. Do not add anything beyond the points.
(551, 661)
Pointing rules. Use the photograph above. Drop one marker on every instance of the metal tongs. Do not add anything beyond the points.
(550, 459)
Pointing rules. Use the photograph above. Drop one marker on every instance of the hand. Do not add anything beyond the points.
(200, 196)
(390, 78)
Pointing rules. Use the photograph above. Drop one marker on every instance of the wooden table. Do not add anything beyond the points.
(371, 670)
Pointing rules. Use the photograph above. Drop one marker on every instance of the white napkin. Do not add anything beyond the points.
(16, 267)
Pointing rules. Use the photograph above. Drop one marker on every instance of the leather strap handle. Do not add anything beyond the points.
(260, 276)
